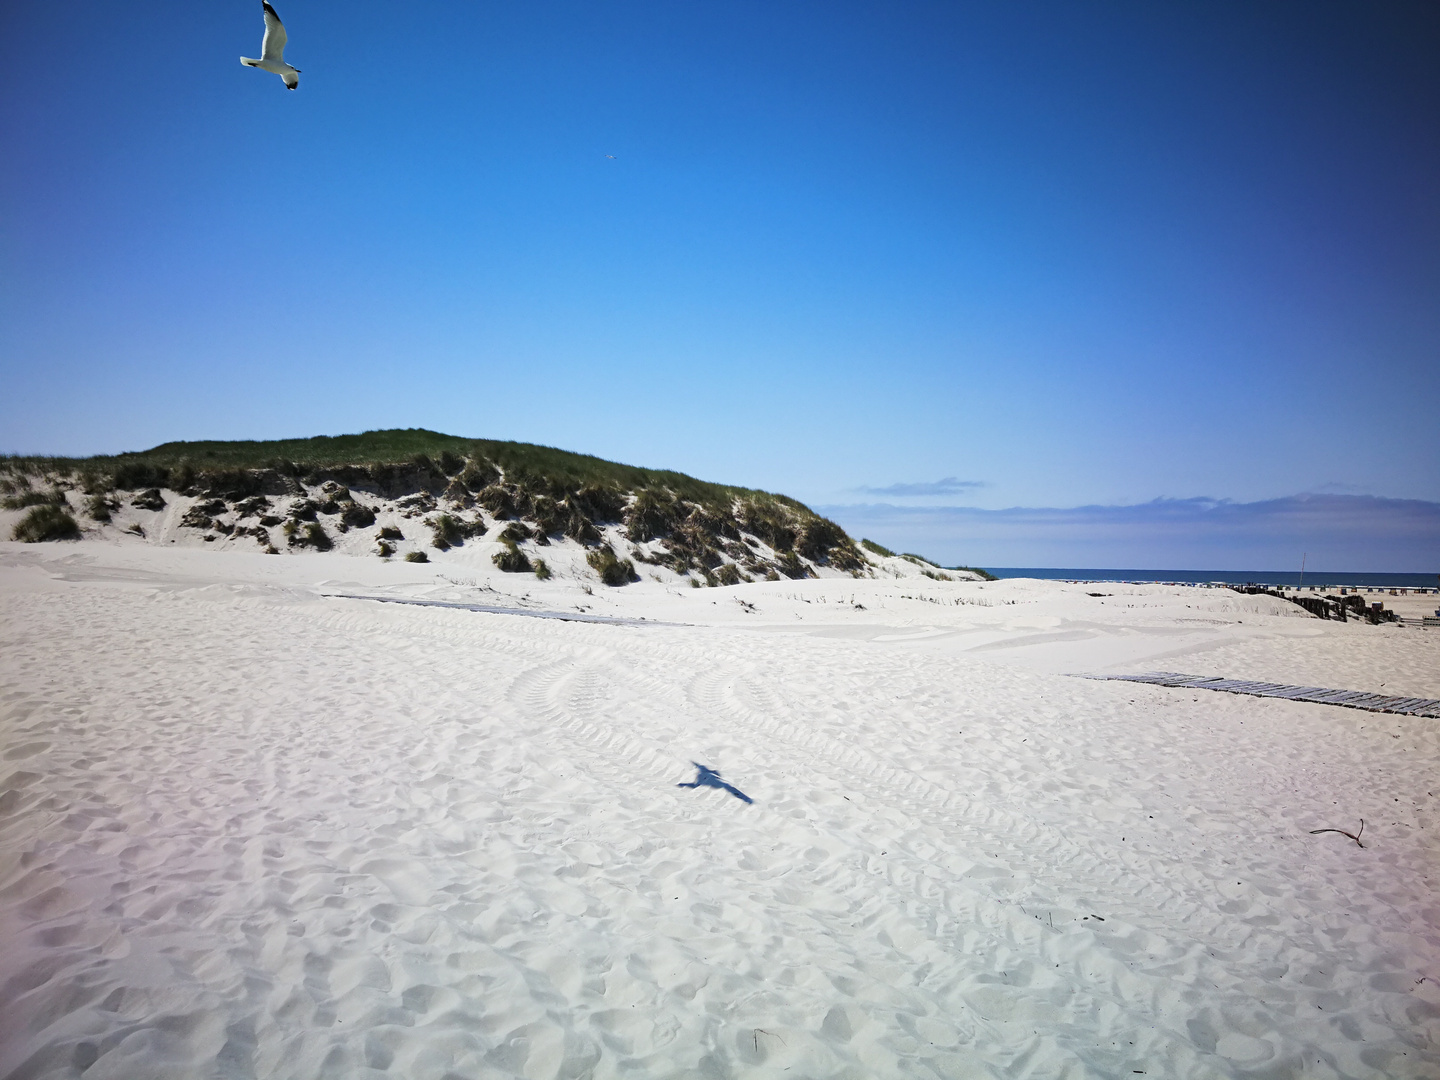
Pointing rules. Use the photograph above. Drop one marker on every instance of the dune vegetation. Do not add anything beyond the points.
(722, 533)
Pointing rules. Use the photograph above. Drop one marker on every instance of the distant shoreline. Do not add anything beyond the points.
(1288, 578)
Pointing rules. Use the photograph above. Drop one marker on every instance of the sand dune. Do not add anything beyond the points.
(248, 828)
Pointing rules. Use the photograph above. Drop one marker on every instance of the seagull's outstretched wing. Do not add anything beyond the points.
(274, 45)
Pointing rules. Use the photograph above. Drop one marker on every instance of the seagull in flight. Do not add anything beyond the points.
(272, 50)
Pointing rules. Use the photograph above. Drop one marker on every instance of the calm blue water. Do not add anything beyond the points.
(1227, 577)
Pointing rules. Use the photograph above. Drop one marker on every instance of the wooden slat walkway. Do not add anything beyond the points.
(1351, 699)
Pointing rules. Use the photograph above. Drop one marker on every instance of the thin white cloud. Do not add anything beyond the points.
(949, 486)
(1334, 532)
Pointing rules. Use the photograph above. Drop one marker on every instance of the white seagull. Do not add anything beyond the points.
(272, 50)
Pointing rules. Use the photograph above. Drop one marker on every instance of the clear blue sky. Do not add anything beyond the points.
(1068, 253)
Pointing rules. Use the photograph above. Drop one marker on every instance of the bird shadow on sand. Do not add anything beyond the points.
(710, 778)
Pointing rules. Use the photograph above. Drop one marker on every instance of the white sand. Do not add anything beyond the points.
(249, 830)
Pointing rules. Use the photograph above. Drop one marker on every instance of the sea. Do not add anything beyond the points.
(1287, 578)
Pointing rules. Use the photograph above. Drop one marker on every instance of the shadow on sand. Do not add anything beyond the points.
(711, 778)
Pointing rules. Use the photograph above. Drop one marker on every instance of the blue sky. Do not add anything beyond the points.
(977, 255)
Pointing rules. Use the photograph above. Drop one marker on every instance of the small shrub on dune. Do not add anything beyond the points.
(230, 484)
(182, 478)
(542, 570)
(613, 570)
(652, 515)
(817, 537)
(511, 560)
(846, 556)
(548, 517)
(100, 508)
(422, 502)
(55, 497)
(705, 524)
(45, 522)
(499, 500)
(514, 533)
(389, 532)
(985, 575)
(312, 535)
(478, 475)
(458, 495)
(598, 502)
(417, 556)
(446, 532)
(770, 522)
(581, 529)
(149, 499)
(270, 521)
(135, 529)
(357, 515)
(133, 475)
(728, 574)
(385, 549)
(792, 567)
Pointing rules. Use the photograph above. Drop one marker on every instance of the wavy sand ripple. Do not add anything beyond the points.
(253, 833)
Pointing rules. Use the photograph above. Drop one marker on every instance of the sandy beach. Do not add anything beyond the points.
(252, 825)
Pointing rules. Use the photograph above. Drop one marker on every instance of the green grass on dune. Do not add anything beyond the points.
(985, 575)
(46, 522)
(922, 561)
(397, 446)
(561, 490)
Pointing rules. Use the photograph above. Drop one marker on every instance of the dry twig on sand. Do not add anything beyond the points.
(1352, 835)
(757, 1032)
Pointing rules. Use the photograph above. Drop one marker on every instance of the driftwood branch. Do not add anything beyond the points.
(1352, 835)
